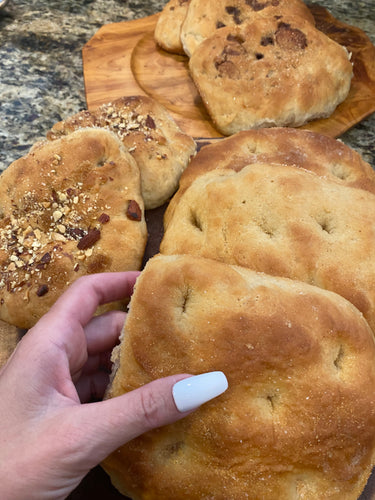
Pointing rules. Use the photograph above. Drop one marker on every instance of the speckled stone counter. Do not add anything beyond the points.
(41, 78)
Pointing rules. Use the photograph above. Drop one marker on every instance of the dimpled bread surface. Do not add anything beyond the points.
(323, 155)
(161, 150)
(68, 208)
(204, 17)
(272, 72)
(283, 221)
(298, 418)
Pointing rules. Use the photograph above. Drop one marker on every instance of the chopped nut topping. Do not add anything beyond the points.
(35, 234)
(124, 120)
(150, 122)
(46, 258)
(89, 239)
(134, 211)
(104, 218)
(57, 214)
(42, 290)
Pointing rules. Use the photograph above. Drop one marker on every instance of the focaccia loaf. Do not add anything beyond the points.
(298, 418)
(68, 208)
(204, 17)
(283, 221)
(271, 72)
(323, 155)
(168, 26)
(161, 150)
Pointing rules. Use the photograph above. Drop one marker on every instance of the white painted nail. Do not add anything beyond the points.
(192, 392)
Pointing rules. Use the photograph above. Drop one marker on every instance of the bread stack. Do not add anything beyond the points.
(266, 268)
(265, 272)
(306, 215)
(257, 64)
(75, 204)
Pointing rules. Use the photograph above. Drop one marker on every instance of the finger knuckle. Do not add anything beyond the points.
(150, 408)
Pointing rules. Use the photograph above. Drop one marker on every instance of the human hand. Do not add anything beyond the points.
(50, 434)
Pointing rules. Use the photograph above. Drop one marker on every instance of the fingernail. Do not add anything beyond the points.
(192, 392)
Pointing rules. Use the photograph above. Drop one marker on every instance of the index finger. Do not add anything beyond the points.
(61, 331)
(81, 300)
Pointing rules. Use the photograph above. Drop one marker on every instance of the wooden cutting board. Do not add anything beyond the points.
(123, 59)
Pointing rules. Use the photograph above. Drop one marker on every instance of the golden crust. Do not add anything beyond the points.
(204, 17)
(168, 26)
(283, 221)
(68, 208)
(298, 418)
(150, 135)
(272, 72)
(325, 156)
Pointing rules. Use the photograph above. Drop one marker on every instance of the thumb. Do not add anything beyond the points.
(110, 424)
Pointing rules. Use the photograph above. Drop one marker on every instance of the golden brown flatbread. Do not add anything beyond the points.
(161, 150)
(168, 26)
(284, 221)
(271, 72)
(298, 418)
(205, 17)
(325, 156)
(68, 208)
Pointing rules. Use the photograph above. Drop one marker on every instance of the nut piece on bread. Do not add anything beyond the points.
(284, 221)
(68, 208)
(272, 72)
(161, 150)
(298, 418)
(204, 17)
(168, 26)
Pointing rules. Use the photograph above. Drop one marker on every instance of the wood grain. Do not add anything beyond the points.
(123, 59)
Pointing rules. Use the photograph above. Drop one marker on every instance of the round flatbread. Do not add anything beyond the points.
(205, 17)
(146, 129)
(284, 221)
(318, 153)
(298, 418)
(68, 208)
(272, 72)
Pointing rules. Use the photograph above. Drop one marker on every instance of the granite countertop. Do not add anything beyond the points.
(41, 77)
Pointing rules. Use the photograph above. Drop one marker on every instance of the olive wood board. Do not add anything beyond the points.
(123, 59)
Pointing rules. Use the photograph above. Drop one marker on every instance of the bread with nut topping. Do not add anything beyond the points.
(271, 72)
(146, 129)
(70, 207)
(205, 17)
